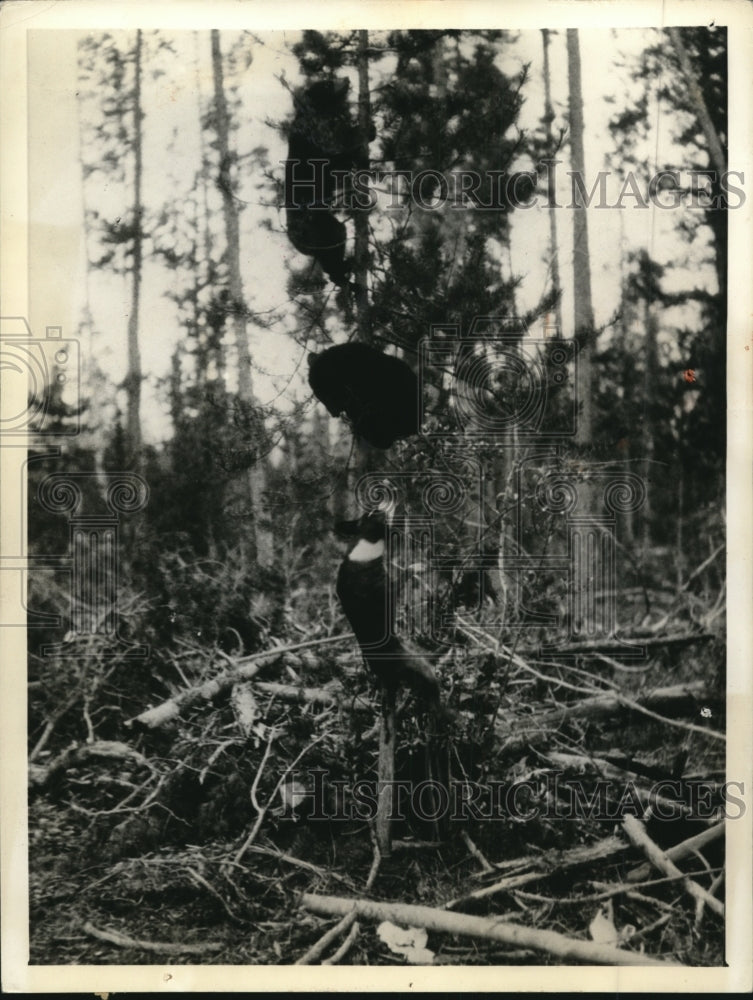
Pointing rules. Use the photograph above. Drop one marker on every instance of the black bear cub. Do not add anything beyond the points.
(363, 589)
(377, 392)
(324, 145)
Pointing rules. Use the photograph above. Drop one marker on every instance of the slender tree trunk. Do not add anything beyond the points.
(262, 538)
(718, 162)
(364, 459)
(232, 226)
(204, 233)
(584, 535)
(716, 152)
(679, 539)
(361, 218)
(551, 193)
(584, 317)
(341, 498)
(133, 379)
(649, 389)
(625, 440)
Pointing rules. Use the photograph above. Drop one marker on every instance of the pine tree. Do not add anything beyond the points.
(115, 74)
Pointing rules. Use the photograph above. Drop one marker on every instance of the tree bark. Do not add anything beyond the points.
(360, 217)
(262, 538)
(486, 928)
(133, 379)
(584, 613)
(649, 390)
(584, 317)
(551, 193)
(716, 153)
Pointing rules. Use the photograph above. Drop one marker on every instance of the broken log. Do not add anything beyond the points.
(244, 670)
(638, 836)
(679, 699)
(486, 928)
(682, 850)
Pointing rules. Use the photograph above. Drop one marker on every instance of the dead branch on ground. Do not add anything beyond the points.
(490, 929)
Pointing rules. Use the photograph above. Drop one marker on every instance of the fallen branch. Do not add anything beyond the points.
(52, 722)
(40, 775)
(227, 864)
(290, 859)
(289, 692)
(543, 866)
(85, 689)
(585, 764)
(699, 906)
(609, 891)
(162, 947)
(199, 879)
(650, 928)
(263, 810)
(417, 845)
(679, 851)
(636, 706)
(696, 573)
(554, 859)
(516, 733)
(316, 951)
(638, 836)
(476, 853)
(345, 947)
(245, 668)
(489, 929)
(376, 861)
(614, 773)
(614, 646)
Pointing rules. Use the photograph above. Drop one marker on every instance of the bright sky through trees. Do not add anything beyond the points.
(60, 285)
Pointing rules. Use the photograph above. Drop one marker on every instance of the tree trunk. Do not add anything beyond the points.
(649, 389)
(717, 219)
(623, 442)
(133, 378)
(584, 318)
(360, 217)
(584, 536)
(551, 192)
(716, 153)
(364, 459)
(341, 497)
(262, 538)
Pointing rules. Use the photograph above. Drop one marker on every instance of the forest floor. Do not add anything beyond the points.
(227, 834)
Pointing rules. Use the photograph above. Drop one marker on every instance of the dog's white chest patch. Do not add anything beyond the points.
(367, 551)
